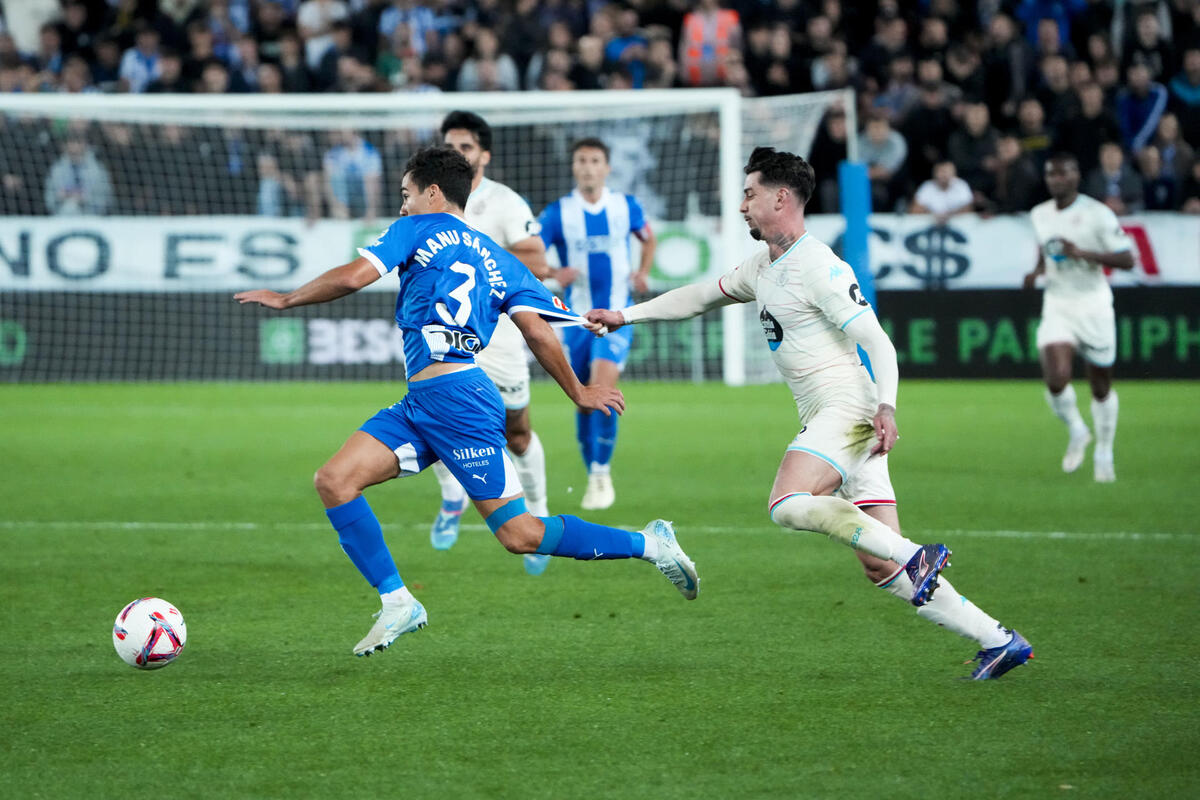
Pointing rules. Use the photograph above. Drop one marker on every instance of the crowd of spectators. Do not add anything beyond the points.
(960, 101)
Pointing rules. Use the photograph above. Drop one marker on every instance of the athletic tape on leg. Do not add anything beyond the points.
(513, 508)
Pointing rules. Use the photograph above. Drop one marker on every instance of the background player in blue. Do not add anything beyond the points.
(590, 230)
(454, 283)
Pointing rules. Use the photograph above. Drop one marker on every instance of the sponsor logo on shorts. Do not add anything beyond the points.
(473, 452)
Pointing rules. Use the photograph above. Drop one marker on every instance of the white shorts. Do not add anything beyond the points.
(505, 363)
(843, 438)
(1090, 328)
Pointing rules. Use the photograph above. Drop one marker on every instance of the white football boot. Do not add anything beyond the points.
(672, 561)
(1076, 447)
(600, 493)
(391, 622)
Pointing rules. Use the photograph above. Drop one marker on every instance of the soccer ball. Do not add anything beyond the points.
(149, 633)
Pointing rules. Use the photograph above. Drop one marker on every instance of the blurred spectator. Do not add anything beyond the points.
(1017, 185)
(1177, 155)
(1191, 190)
(106, 69)
(1080, 73)
(75, 35)
(833, 69)
(315, 20)
(1048, 42)
(901, 94)
(122, 154)
(1140, 106)
(1114, 182)
(341, 45)
(1185, 96)
(1108, 75)
(353, 176)
(1032, 131)
(1031, 12)
(965, 70)
(661, 70)
(1149, 48)
(927, 128)
(1082, 134)
(170, 74)
(27, 149)
(934, 39)
(708, 34)
(49, 56)
(884, 151)
(1054, 92)
(559, 41)
(140, 64)
(828, 151)
(944, 195)
(1007, 66)
(416, 21)
(78, 183)
(77, 76)
(589, 67)
(972, 148)
(200, 52)
(488, 69)
(24, 18)
(1160, 191)
(214, 78)
(278, 195)
(270, 24)
(628, 47)
(244, 77)
(890, 41)
(269, 78)
(292, 66)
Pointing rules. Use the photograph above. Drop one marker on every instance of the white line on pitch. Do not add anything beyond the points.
(228, 525)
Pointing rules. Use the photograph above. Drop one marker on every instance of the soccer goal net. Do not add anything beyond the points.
(129, 221)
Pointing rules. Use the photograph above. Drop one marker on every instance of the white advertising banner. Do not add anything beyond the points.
(182, 254)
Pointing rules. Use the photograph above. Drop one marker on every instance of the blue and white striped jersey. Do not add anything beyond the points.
(594, 238)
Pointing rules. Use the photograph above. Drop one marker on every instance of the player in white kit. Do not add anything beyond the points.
(834, 476)
(502, 214)
(1078, 237)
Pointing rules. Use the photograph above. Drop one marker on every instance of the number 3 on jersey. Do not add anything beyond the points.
(462, 294)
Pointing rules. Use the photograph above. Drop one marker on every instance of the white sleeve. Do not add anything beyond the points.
(518, 222)
(1113, 236)
(686, 301)
(865, 330)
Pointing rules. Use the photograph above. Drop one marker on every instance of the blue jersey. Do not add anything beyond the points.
(454, 284)
(594, 238)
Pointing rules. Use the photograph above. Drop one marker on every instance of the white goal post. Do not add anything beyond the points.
(200, 202)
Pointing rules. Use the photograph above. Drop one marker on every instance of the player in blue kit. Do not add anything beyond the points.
(590, 229)
(454, 284)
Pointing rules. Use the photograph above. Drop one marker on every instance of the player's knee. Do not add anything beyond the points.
(1056, 383)
(875, 569)
(802, 512)
(518, 536)
(518, 440)
(332, 487)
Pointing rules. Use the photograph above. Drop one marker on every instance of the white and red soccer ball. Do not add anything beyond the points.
(149, 633)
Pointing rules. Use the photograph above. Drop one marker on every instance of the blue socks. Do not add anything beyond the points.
(362, 540)
(597, 435)
(571, 537)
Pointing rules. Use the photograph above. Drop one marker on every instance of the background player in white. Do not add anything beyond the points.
(498, 211)
(834, 476)
(1078, 236)
(590, 229)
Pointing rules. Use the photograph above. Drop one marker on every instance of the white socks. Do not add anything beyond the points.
(951, 610)
(1104, 417)
(531, 470)
(397, 597)
(1065, 408)
(843, 522)
(452, 491)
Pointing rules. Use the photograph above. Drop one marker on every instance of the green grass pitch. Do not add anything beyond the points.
(789, 677)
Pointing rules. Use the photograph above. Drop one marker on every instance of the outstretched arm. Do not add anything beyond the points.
(865, 330)
(686, 301)
(330, 285)
(549, 353)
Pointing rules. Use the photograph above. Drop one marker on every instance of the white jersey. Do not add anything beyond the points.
(501, 213)
(806, 298)
(1089, 225)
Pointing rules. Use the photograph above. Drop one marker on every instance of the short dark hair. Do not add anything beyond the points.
(444, 166)
(590, 141)
(469, 121)
(783, 169)
(1064, 158)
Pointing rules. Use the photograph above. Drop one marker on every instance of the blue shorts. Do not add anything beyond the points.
(458, 419)
(584, 347)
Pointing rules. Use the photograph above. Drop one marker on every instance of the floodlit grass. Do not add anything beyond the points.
(789, 677)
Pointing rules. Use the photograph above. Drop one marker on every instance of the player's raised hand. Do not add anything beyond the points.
(603, 318)
(886, 433)
(601, 398)
(263, 297)
(641, 283)
(565, 276)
